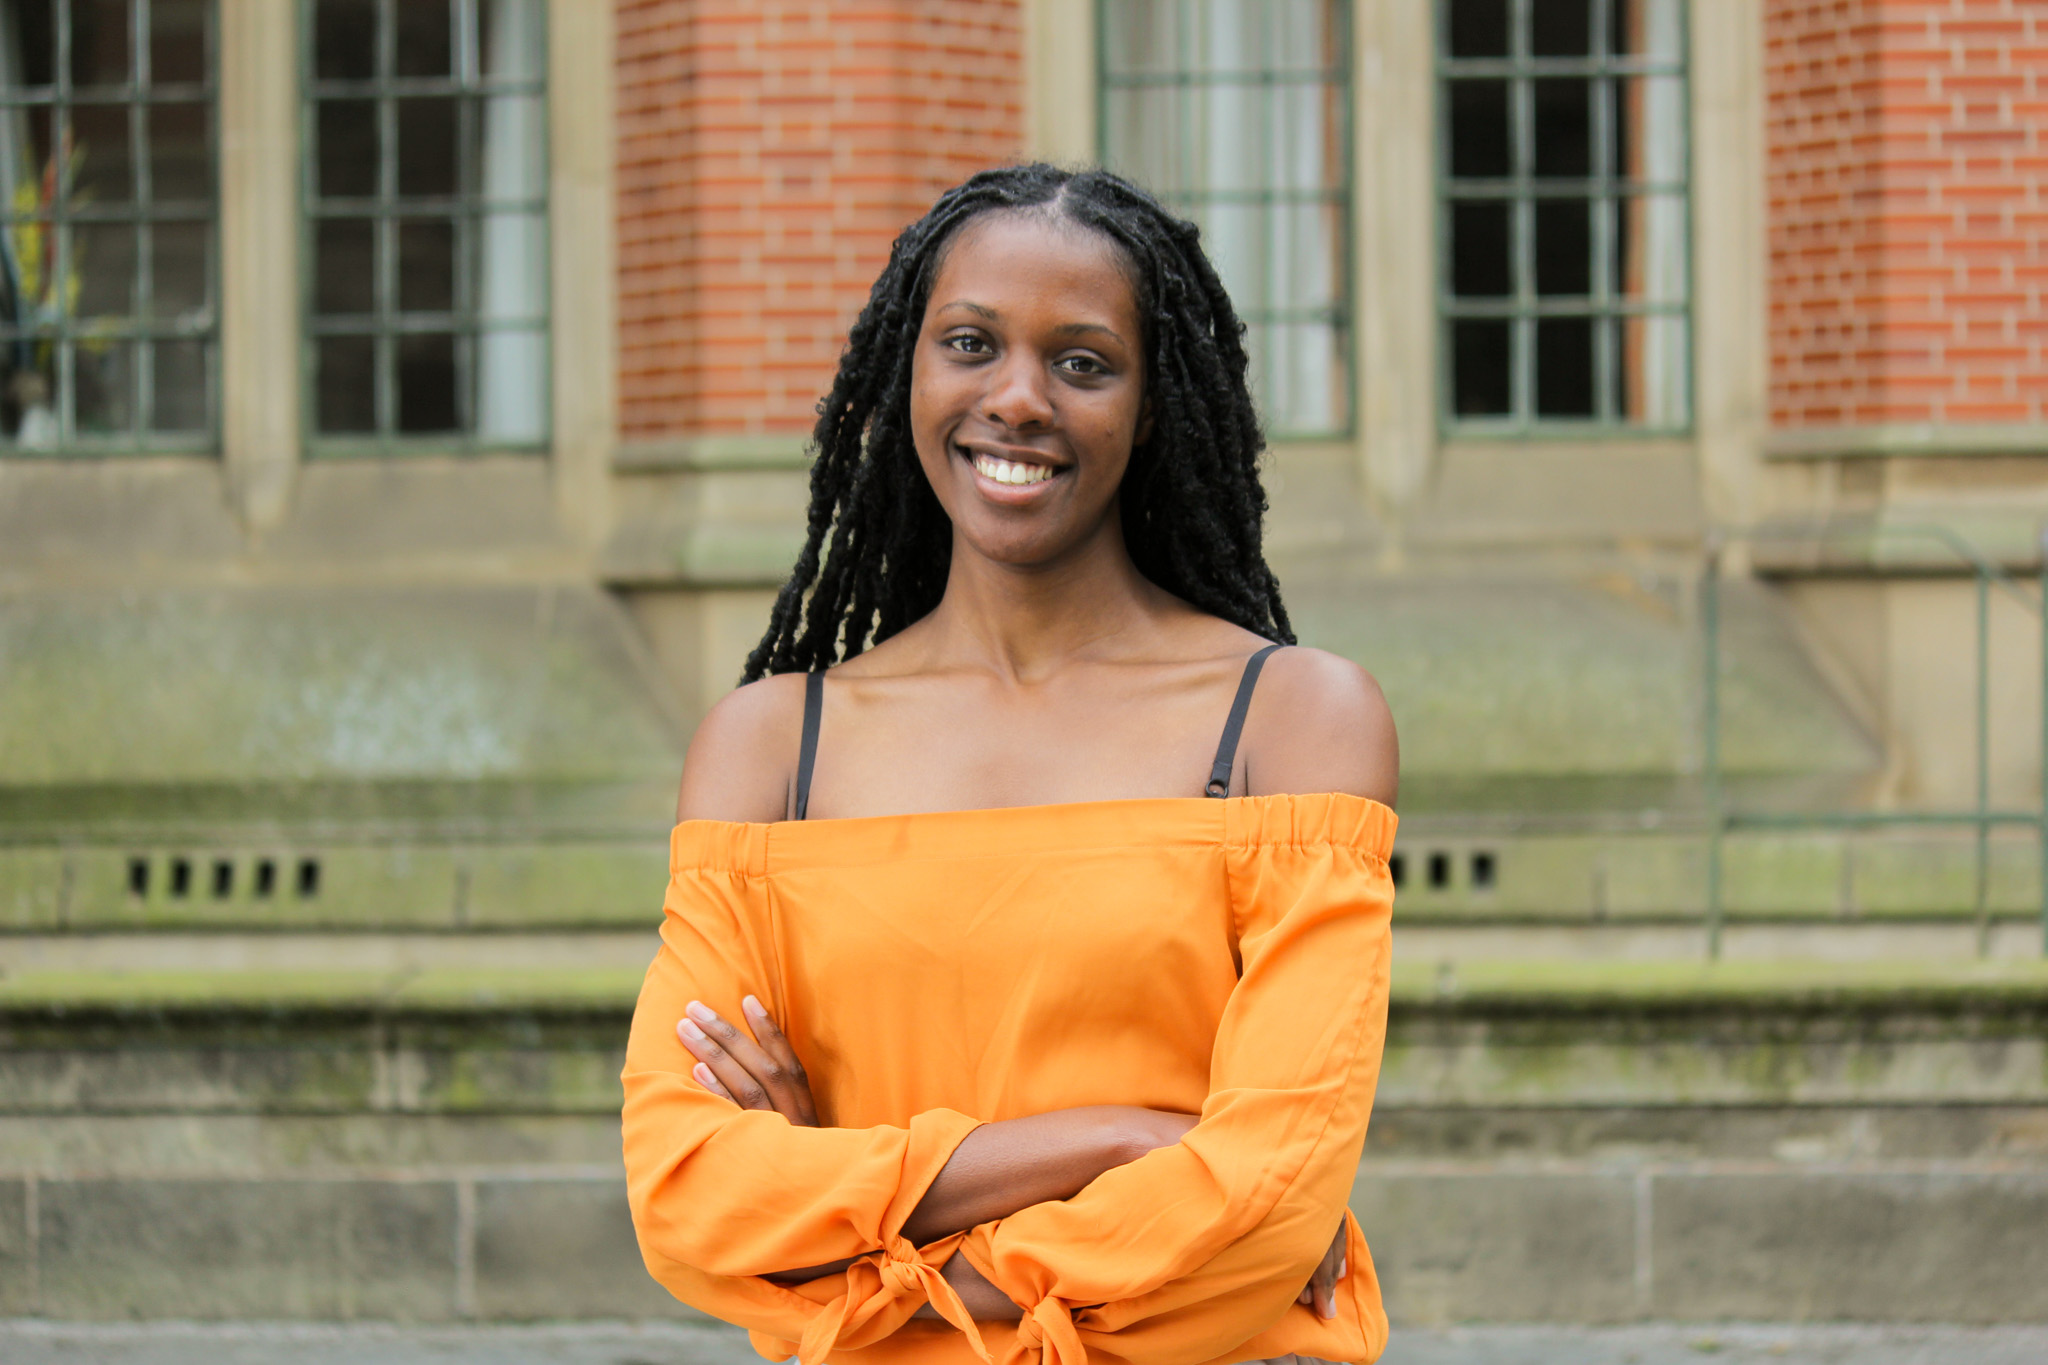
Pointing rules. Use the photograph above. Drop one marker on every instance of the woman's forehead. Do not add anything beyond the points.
(1025, 256)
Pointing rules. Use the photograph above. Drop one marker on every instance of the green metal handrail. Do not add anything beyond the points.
(1981, 817)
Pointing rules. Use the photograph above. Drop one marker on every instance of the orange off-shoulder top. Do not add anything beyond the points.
(939, 971)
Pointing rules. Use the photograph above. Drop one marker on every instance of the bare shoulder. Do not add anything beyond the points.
(1319, 723)
(744, 753)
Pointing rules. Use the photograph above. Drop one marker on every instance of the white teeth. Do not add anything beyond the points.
(1010, 471)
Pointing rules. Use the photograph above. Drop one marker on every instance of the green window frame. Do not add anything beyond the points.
(1564, 203)
(1238, 115)
(425, 219)
(109, 269)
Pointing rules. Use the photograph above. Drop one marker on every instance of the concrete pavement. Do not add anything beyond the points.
(25, 1342)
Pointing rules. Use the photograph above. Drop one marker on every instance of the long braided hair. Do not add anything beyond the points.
(878, 545)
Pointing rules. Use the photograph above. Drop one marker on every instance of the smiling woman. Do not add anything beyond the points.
(1027, 1048)
(1029, 382)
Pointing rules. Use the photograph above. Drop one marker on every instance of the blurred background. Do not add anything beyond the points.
(403, 408)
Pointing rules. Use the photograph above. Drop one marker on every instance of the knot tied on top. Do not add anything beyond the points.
(891, 1284)
(1047, 1336)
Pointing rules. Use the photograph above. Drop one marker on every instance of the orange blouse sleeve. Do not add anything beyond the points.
(1194, 1250)
(722, 1196)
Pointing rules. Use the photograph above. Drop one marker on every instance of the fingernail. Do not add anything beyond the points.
(704, 1076)
(700, 1011)
(690, 1029)
(1343, 1269)
(753, 1007)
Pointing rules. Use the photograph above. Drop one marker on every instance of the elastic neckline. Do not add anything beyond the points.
(1144, 822)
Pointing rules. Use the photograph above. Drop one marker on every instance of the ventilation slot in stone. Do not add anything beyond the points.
(223, 879)
(1397, 868)
(138, 877)
(309, 878)
(181, 877)
(1439, 871)
(265, 878)
(1484, 871)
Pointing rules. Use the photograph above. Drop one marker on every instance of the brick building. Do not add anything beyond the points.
(402, 420)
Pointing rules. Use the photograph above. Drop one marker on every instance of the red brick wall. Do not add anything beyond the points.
(1909, 226)
(769, 151)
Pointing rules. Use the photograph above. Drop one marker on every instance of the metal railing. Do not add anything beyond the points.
(1722, 819)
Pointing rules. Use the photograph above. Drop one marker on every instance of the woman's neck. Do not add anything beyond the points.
(1025, 622)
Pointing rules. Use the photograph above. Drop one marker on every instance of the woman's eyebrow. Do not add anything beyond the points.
(1065, 329)
(1076, 328)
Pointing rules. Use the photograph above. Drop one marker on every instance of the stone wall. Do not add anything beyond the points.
(1609, 1145)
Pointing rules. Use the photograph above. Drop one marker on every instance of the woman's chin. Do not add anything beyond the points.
(1020, 553)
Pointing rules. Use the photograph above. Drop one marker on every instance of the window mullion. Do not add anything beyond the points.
(385, 347)
(1605, 175)
(1522, 123)
(468, 225)
(141, 384)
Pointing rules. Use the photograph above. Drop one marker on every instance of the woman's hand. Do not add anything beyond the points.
(758, 1072)
(1321, 1293)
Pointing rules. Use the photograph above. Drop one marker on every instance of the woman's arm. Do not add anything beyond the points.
(996, 1170)
(743, 757)
(1002, 1167)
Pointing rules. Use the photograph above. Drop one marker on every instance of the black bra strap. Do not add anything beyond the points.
(1226, 752)
(807, 757)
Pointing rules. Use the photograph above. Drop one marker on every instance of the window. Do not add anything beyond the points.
(1563, 165)
(108, 324)
(1237, 114)
(426, 215)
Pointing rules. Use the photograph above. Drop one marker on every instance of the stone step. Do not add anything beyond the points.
(1422, 942)
(317, 952)
(1751, 938)
(1553, 1141)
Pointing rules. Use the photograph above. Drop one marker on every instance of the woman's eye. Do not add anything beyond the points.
(968, 344)
(1083, 364)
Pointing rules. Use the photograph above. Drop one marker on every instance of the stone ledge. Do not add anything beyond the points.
(1419, 987)
(782, 450)
(443, 992)
(1906, 440)
(1565, 987)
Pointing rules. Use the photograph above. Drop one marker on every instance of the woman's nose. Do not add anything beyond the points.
(1017, 396)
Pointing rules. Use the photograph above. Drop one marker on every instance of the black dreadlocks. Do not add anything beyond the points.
(1191, 501)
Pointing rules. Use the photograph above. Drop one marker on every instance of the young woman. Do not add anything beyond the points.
(1024, 975)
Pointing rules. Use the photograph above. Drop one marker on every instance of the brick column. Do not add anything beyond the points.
(768, 154)
(1909, 229)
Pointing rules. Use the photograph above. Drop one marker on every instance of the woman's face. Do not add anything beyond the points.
(1027, 389)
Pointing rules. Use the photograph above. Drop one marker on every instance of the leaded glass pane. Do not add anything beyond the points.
(1236, 113)
(108, 197)
(1566, 278)
(426, 189)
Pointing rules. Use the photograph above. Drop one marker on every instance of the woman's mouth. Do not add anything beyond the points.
(1014, 472)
